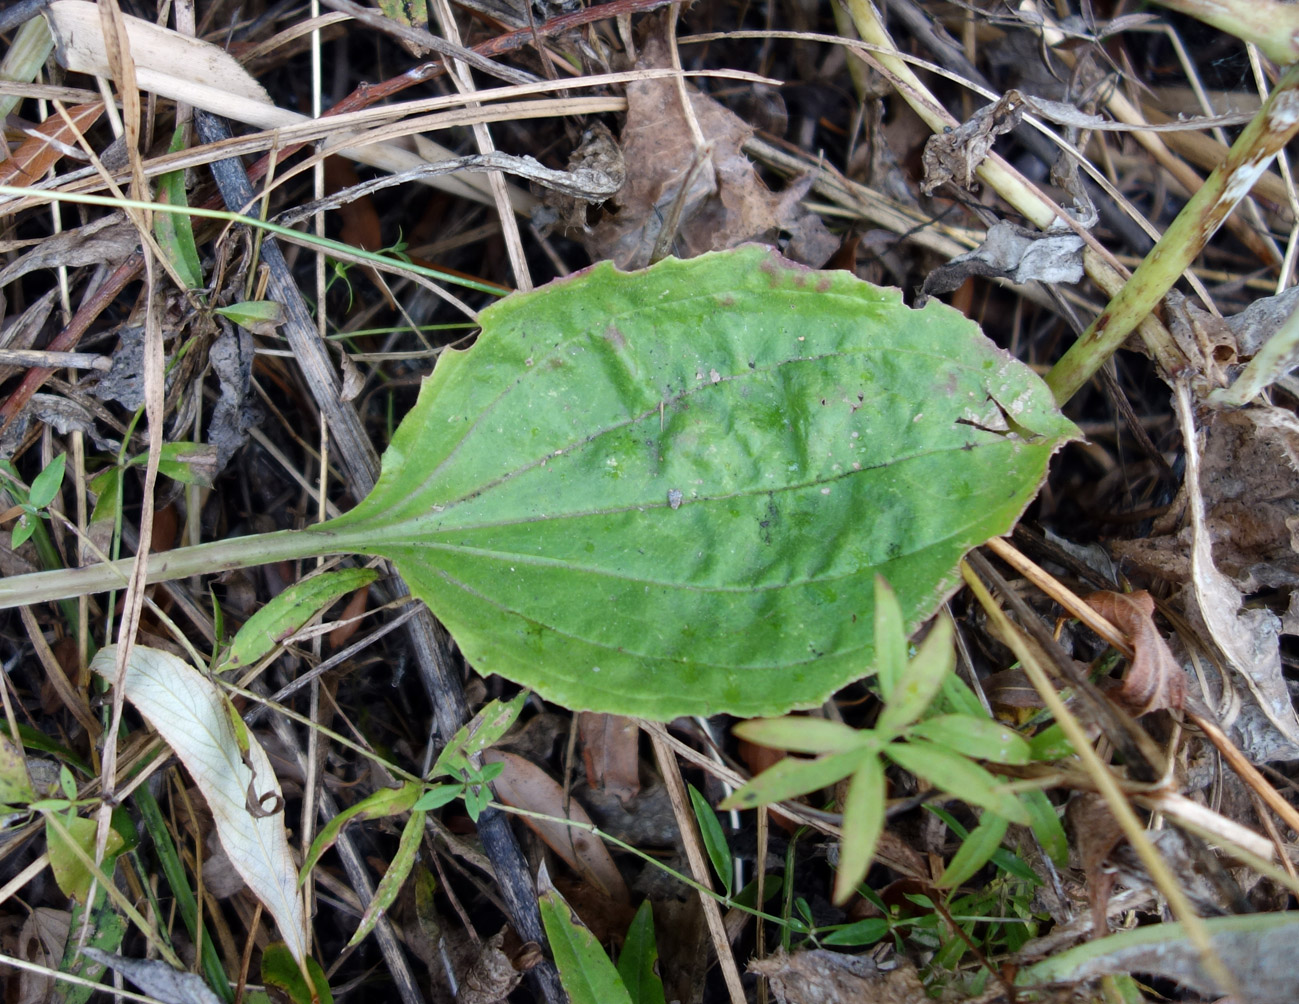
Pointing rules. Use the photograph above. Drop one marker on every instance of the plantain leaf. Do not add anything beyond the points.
(669, 492)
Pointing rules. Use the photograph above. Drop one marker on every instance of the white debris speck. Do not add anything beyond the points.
(714, 376)
(918, 417)
(825, 491)
(595, 669)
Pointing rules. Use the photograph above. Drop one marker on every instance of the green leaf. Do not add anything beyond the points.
(639, 958)
(289, 611)
(644, 493)
(801, 734)
(261, 317)
(863, 932)
(23, 530)
(710, 829)
(280, 970)
(480, 732)
(890, 639)
(793, 777)
(863, 822)
(393, 879)
(1050, 744)
(974, 736)
(46, 484)
(923, 677)
(957, 776)
(975, 851)
(438, 796)
(383, 803)
(70, 871)
(1046, 826)
(584, 969)
(15, 786)
(174, 232)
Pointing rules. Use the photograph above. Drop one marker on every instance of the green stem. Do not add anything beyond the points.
(164, 566)
(1274, 125)
(1273, 27)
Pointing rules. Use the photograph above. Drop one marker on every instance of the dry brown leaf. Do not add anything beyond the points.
(492, 975)
(955, 155)
(1154, 681)
(726, 203)
(820, 976)
(524, 785)
(1096, 833)
(47, 144)
(611, 754)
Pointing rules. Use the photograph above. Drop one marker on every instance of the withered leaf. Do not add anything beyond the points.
(955, 156)
(1154, 680)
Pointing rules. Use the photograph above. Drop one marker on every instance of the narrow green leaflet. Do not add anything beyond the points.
(669, 492)
(584, 969)
(975, 851)
(792, 777)
(480, 732)
(863, 822)
(890, 639)
(379, 805)
(289, 611)
(174, 231)
(920, 683)
(1046, 826)
(393, 879)
(640, 956)
(710, 829)
(977, 737)
(957, 776)
(799, 734)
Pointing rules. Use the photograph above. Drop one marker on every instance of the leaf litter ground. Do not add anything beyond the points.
(830, 167)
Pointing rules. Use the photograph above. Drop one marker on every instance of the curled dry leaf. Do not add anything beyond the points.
(954, 156)
(1154, 681)
(1013, 253)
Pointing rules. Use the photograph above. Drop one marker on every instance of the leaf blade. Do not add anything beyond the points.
(737, 416)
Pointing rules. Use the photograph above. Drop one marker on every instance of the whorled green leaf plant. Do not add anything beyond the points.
(669, 492)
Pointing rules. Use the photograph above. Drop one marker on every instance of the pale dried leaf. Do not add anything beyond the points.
(491, 976)
(157, 978)
(1249, 639)
(188, 712)
(105, 241)
(198, 73)
(1014, 253)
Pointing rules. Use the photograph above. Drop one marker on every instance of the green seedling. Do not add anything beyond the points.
(45, 486)
(934, 746)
